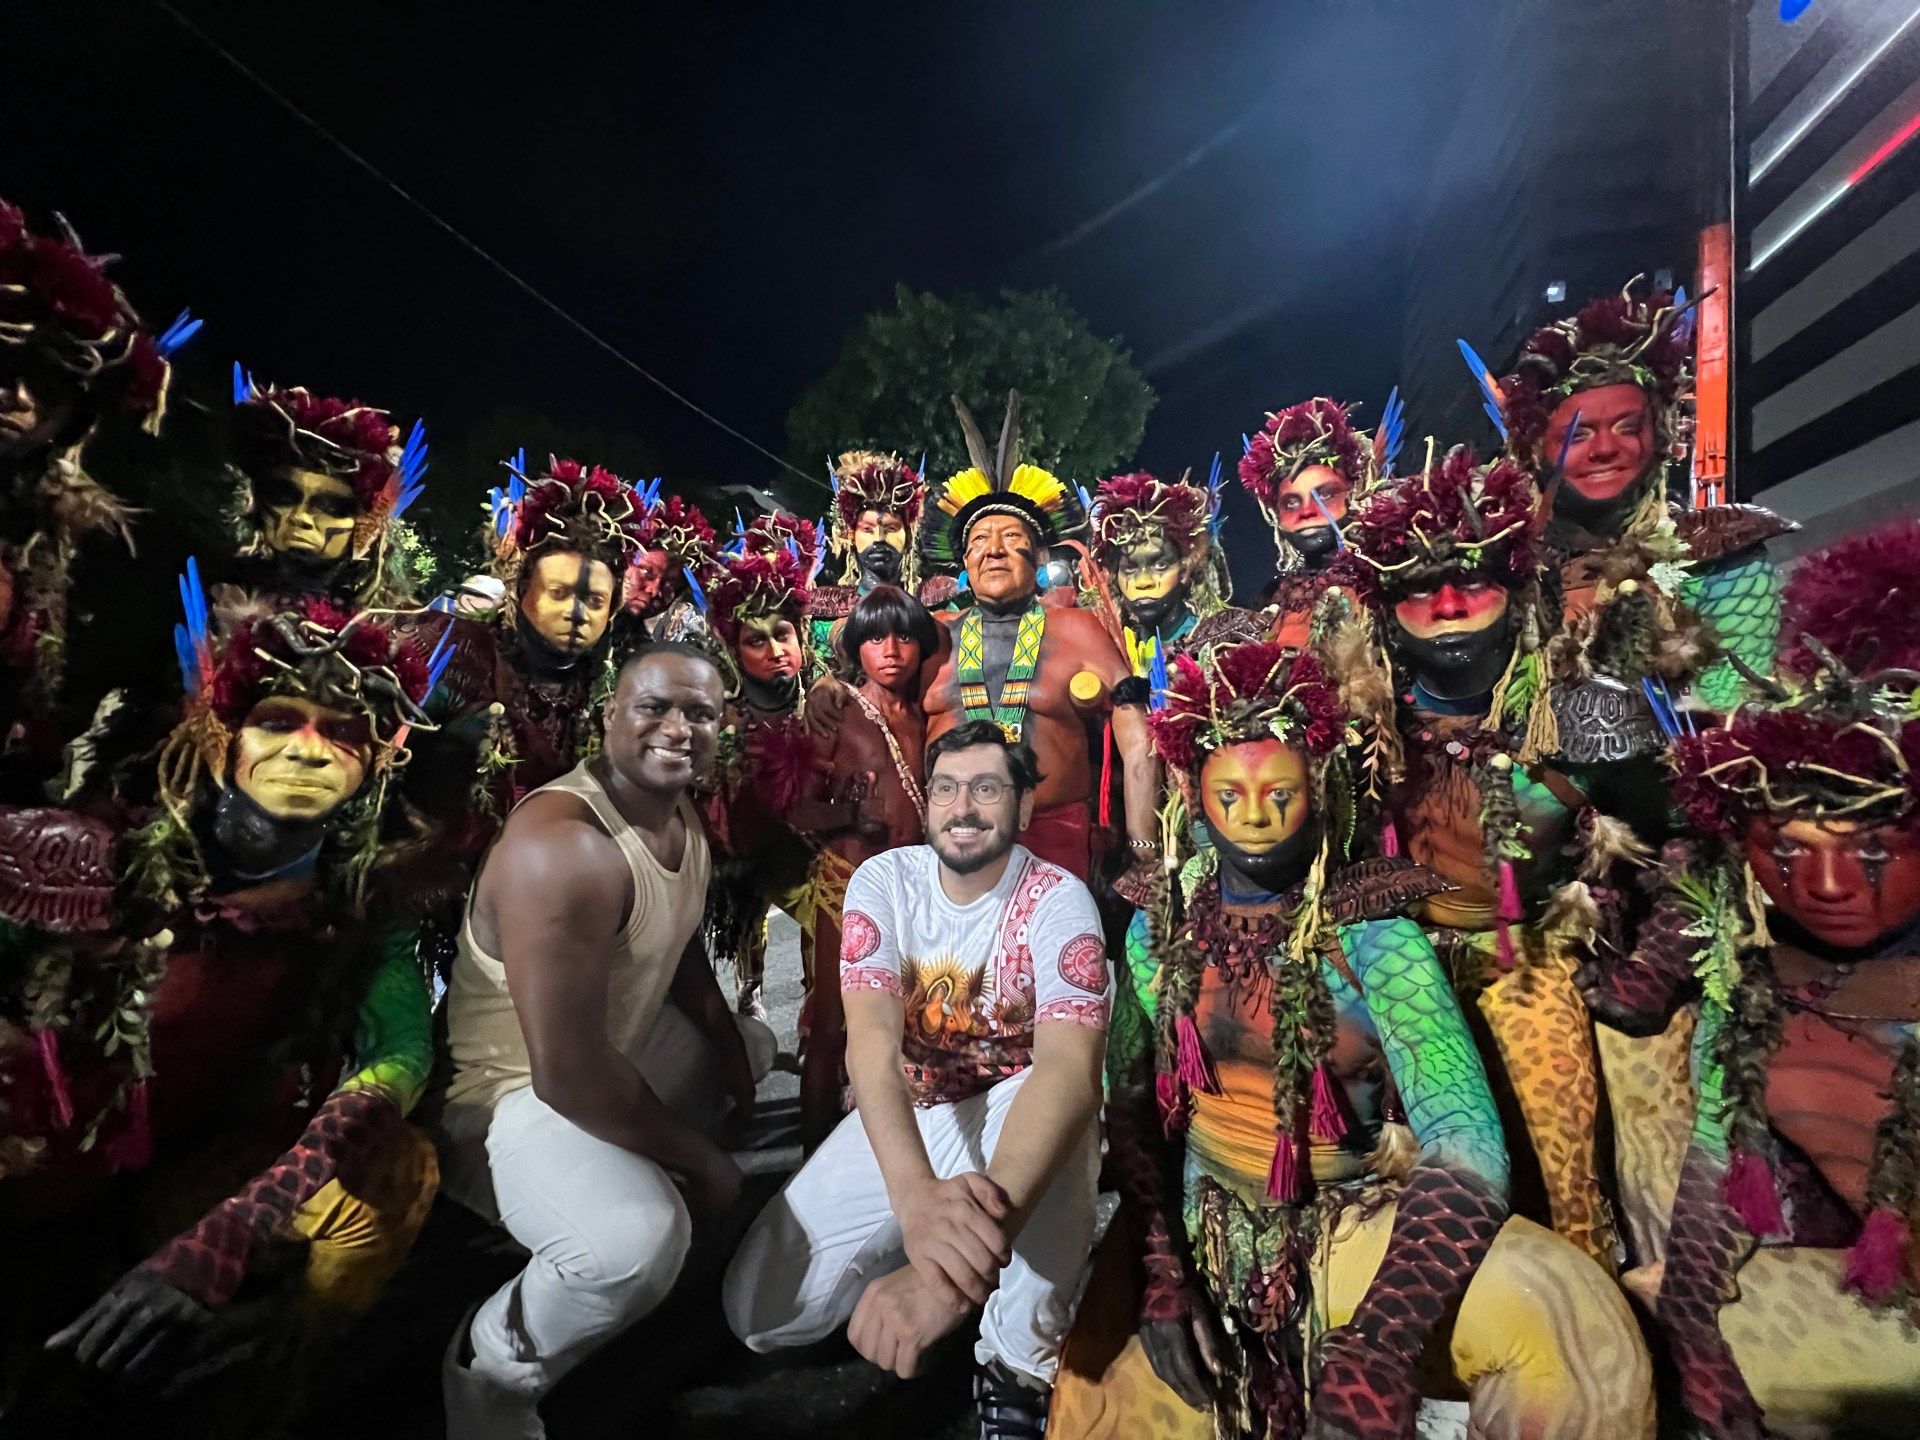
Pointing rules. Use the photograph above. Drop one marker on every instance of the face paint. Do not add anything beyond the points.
(1152, 588)
(300, 761)
(646, 587)
(1847, 885)
(891, 661)
(1613, 445)
(879, 527)
(1455, 633)
(1294, 509)
(309, 515)
(568, 601)
(769, 649)
(1002, 559)
(35, 409)
(1256, 805)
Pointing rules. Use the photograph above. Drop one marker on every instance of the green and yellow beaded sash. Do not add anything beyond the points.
(1011, 713)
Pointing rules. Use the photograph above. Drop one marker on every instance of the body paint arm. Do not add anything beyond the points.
(393, 1045)
(1740, 598)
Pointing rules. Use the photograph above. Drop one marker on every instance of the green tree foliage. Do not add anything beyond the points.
(1083, 405)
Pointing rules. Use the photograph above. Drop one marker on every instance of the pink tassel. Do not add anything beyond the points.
(1326, 1121)
(1510, 893)
(1503, 945)
(1750, 1192)
(49, 1043)
(1878, 1261)
(1190, 1059)
(1389, 839)
(1283, 1176)
(1173, 1103)
(131, 1148)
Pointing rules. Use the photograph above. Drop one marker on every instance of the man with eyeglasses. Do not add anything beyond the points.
(977, 989)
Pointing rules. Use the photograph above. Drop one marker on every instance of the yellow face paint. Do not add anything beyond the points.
(1255, 794)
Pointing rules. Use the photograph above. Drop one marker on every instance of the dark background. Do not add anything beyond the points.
(721, 191)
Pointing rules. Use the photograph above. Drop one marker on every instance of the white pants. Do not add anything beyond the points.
(802, 1267)
(608, 1228)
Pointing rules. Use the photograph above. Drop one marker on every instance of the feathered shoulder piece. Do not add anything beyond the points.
(1618, 339)
(998, 482)
(56, 300)
(1838, 737)
(1257, 691)
(1314, 432)
(571, 507)
(1456, 514)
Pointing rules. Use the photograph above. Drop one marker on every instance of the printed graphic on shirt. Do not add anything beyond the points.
(975, 980)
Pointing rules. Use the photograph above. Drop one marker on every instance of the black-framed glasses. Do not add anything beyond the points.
(987, 789)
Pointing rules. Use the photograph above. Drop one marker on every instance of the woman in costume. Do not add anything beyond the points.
(232, 980)
(1464, 762)
(1790, 914)
(1338, 1172)
(863, 797)
(320, 485)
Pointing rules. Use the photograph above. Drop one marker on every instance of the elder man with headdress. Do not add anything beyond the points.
(1788, 1280)
(1156, 544)
(1298, 1043)
(72, 353)
(757, 605)
(247, 955)
(1048, 674)
(1304, 468)
(320, 485)
(1447, 562)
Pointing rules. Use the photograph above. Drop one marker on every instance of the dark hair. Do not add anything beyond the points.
(646, 650)
(969, 733)
(887, 610)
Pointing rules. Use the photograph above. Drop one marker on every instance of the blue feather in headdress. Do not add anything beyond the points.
(413, 469)
(193, 640)
(1490, 398)
(1392, 432)
(1216, 509)
(243, 386)
(1157, 678)
(698, 595)
(176, 335)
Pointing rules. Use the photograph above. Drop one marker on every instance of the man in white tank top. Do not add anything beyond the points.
(977, 992)
(580, 1094)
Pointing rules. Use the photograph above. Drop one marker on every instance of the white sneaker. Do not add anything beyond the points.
(481, 1407)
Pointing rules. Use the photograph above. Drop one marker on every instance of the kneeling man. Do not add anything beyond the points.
(977, 991)
(581, 1095)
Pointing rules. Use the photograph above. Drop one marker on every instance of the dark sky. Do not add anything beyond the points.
(723, 189)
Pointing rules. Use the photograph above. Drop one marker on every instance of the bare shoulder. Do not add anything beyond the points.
(554, 845)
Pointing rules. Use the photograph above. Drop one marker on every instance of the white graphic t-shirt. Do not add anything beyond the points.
(976, 978)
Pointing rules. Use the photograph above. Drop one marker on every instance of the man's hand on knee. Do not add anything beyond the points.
(955, 1234)
(899, 1316)
(138, 1318)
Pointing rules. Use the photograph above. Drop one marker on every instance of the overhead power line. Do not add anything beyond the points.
(479, 251)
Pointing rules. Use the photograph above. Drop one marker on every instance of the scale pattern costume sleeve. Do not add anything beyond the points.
(1740, 599)
(1453, 1203)
(393, 1046)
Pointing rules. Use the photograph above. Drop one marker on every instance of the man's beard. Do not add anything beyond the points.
(1313, 545)
(1602, 519)
(881, 564)
(1276, 870)
(1460, 666)
(998, 842)
(1157, 613)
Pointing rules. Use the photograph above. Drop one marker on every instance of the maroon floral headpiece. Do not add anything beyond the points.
(676, 526)
(279, 428)
(1619, 339)
(57, 299)
(1314, 432)
(325, 654)
(1133, 508)
(766, 534)
(1457, 514)
(869, 480)
(1839, 736)
(576, 508)
(756, 587)
(1252, 691)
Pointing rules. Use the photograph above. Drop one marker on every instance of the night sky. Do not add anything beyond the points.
(722, 190)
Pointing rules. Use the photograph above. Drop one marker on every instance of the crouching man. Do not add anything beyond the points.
(977, 992)
(581, 1095)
